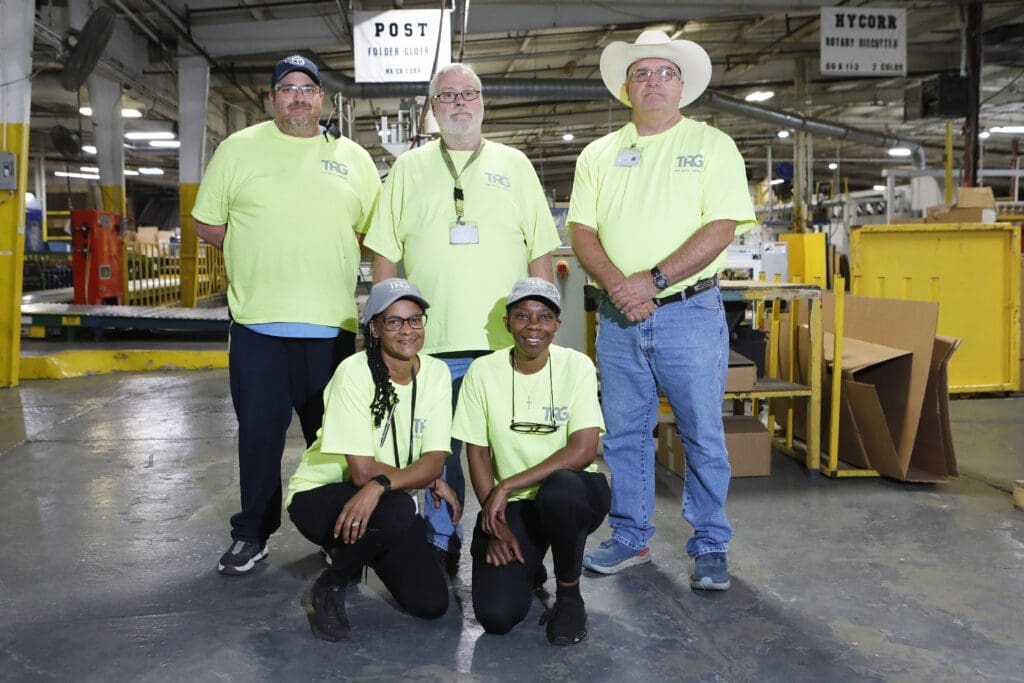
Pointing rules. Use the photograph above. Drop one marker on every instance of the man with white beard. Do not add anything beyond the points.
(467, 218)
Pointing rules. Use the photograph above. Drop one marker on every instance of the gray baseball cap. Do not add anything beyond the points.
(535, 288)
(387, 292)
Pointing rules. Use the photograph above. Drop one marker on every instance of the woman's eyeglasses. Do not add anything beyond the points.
(524, 427)
(393, 323)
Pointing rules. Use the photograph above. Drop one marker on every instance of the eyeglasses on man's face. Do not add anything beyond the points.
(661, 74)
(394, 323)
(292, 90)
(449, 96)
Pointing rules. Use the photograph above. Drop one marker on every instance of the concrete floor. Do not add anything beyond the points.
(115, 492)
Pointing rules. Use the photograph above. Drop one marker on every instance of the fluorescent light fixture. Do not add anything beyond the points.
(984, 135)
(832, 166)
(878, 188)
(899, 152)
(568, 137)
(166, 144)
(126, 113)
(150, 170)
(149, 135)
(1011, 130)
(783, 134)
(130, 171)
(73, 174)
(760, 96)
(89, 149)
(88, 169)
(776, 181)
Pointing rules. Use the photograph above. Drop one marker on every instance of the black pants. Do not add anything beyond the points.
(569, 506)
(271, 377)
(394, 545)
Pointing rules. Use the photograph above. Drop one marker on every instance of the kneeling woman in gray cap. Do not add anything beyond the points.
(530, 418)
(386, 433)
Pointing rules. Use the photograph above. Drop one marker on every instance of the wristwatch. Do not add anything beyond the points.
(383, 481)
(660, 281)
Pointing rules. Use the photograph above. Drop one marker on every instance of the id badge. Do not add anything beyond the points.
(628, 157)
(463, 233)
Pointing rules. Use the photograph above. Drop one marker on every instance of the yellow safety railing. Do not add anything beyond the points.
(152, 274)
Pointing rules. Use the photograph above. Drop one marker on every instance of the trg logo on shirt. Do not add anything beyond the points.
(556, 414)
(689, 162)
(498, 180)
(419, 425)
(335, 168)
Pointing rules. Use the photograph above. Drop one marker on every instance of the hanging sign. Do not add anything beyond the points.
(399, 45)
(858, 41)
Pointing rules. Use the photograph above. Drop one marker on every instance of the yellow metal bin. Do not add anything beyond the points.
(972, 270)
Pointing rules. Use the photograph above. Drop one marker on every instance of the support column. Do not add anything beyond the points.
(193, 93)
(108, 132)
(803, 155)
(15, 99)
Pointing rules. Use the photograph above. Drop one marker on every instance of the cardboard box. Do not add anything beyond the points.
(894, 409)
(148, 234)
(742, 374)
(975, 197)
(973, 205)
(746, 439)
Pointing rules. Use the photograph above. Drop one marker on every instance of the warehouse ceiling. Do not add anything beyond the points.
(754, 45)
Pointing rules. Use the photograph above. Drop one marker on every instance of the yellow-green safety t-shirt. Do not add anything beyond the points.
(292, 206)
(485, 409)
(348, 425)
(685, 178)
(466, 284)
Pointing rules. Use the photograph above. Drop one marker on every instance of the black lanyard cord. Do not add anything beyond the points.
(412, 425)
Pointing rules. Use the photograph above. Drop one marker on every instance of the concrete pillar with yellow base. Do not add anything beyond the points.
(16, 88)
(193, 92)
(108, 127)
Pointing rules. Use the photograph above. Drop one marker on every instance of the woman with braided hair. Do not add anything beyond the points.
(385, 434)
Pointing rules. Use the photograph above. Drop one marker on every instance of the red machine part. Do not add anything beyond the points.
(96, 255)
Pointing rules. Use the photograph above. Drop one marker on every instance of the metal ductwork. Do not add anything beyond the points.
(574, 89)
(814, 126)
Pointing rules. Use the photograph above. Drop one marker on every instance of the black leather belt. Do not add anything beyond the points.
(691, 291)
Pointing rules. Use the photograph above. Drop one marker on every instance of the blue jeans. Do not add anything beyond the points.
(440, 529)
(684, 349)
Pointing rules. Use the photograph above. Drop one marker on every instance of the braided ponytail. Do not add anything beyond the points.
(384, 396)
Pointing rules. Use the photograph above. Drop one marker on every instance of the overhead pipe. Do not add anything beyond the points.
(590, 90)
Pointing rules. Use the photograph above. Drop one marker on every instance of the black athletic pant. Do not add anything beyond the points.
(394, 545)
(270, 377)
(569, 507)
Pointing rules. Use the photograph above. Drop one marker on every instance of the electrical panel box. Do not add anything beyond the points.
(96, 256)
(943, 96)
(8, 171)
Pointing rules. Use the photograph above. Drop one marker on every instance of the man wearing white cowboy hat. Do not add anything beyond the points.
(654, 205)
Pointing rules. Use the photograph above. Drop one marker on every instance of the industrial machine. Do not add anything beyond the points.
(96, 255)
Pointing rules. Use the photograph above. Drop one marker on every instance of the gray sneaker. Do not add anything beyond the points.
(710, 572)
(611, 557)
(241, 557)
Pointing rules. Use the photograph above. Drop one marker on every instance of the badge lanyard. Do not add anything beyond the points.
(457, 193)
(394, 429)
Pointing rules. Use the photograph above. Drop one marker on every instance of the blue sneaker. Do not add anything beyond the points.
(613, 556)
(710, 573)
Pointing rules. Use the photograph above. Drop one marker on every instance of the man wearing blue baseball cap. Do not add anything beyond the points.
(289, 205)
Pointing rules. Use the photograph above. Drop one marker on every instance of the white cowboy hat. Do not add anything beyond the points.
(692, 60)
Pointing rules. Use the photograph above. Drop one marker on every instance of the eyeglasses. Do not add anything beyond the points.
(523, 427)
(661, 74)
(289, 89)
(393, 323)
(449, 96)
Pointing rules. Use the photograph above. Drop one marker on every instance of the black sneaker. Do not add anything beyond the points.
(329, 620)
(241, 557)
(567, 620)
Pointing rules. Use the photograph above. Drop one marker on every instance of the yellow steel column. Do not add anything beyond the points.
(193, 92)
(15, 95)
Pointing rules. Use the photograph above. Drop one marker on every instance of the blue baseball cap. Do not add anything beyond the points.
(295, 63)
